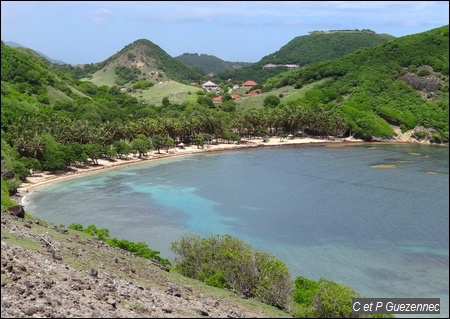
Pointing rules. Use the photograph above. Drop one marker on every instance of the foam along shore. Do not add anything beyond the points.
(39, 178)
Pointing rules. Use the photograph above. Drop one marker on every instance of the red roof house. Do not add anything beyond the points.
(249, 83)
(217, 99)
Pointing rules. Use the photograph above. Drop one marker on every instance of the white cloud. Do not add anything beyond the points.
(100, 16)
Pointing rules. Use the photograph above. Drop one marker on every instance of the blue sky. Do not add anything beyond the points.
(79, 32)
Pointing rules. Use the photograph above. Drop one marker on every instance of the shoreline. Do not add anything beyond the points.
(41, 178)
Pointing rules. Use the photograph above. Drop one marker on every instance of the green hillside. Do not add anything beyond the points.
(307, 49)
(403, 82)
(140, 60)
(51, 119)
(209, 63)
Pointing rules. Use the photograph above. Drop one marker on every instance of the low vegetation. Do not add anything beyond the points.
(226, 262)
(140, 249)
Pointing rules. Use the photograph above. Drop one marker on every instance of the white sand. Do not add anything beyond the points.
(39, 178)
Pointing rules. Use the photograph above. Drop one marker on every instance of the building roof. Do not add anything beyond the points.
(249, 83)
(209, 83)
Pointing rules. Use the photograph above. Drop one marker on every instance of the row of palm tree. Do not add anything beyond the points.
(26, 133)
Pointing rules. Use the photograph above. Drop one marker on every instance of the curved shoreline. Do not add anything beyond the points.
(41, 178)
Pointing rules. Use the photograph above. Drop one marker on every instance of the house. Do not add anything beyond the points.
(236, 86)
(209, 86)
(291, 66)
(269, 65)
(217, 99)
(235, 96)
(257, 91)
(209, 75)
(249, 84)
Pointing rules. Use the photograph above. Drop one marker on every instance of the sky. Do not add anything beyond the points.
(80, 32)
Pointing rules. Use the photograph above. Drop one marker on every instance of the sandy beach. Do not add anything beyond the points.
(39, 178)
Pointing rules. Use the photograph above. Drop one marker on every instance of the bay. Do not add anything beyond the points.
(372, 216)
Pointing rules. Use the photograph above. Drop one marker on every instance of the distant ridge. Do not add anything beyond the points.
(17, 45)
(209, 63)
(307, 49)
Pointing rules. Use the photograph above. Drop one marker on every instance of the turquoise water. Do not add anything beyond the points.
(325, 211)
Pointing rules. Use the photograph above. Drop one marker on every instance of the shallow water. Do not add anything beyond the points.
(374, 216)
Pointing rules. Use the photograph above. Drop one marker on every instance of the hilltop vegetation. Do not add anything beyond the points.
(305, 50)
(209, 63)
(140, 60)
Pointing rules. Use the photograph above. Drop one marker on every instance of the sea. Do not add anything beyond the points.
(373, 216)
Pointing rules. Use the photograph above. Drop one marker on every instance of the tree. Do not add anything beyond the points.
(122, 148)
(158, 142)
(199, 140)
(205, 100)
(271, 101)
(75, 153)
(54, 157)
(94, 151)
(141, 144)
(165, 101)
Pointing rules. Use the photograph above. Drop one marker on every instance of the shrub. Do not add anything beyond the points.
(423, 72)
(227, 262)
(419, 135)
(140, 248)
(334, 300)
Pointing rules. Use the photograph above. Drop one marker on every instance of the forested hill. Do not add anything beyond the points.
(403, 82)
(209, 63)
(307, 49)
(140, 60)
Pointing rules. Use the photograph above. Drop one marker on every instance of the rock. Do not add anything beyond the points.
(17, 211)
(167, 309)
(203, 312)
(31, 310)
(92, 285)
(111, 302)
(94, 272)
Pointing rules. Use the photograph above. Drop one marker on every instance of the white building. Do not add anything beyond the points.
(209, 86)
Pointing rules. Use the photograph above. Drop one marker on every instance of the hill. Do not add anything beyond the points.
(305, 50)
(51, 271)
(403, 82)
(141, 60)
(209, 63)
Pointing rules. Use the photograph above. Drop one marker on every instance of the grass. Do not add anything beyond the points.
(290, 94)
(23, 242)
(105, 76)
(54, 94)
(175, 91)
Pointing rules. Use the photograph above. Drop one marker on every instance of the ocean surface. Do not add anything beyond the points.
(372, 216)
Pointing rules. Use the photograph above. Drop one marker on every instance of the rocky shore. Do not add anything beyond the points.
(51, 272)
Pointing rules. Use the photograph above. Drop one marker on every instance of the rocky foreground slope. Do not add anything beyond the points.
(49, 271)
